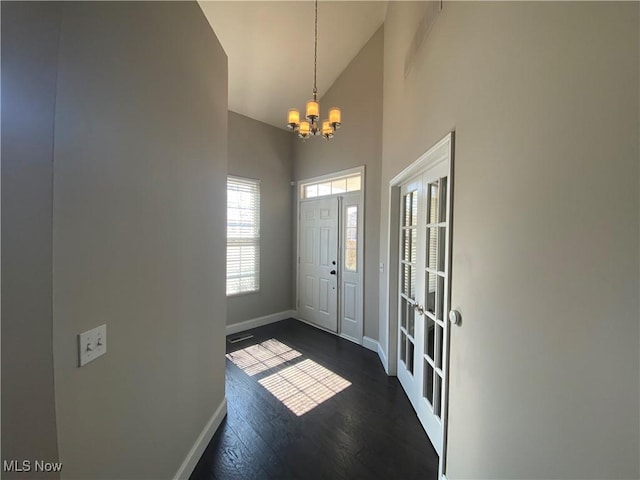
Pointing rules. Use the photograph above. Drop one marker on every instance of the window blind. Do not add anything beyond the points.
(243, 235)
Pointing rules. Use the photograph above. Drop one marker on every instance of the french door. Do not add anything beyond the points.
(423, 297)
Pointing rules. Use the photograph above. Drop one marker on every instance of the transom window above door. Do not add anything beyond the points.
(334, 186)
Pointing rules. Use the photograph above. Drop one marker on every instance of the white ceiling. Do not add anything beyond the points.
(270, 49)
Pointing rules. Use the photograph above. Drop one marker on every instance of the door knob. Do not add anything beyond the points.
(455, 317)
(418, 308)
(332, 272)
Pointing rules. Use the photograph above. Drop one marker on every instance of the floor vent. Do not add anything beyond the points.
(239, 338)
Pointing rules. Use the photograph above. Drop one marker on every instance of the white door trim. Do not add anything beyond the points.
(442, 150)
(431, 157)
(361, 241)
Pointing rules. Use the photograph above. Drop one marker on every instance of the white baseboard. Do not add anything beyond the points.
(370, 344)
(376, 347)
(259, 322)
(190, 462)
(383, 358)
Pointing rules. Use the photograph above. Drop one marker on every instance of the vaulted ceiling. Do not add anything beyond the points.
(270, 49)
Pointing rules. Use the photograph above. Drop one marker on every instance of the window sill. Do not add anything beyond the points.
(242, 294)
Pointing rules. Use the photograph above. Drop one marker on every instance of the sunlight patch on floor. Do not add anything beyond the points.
(304, 386)
(263, 356)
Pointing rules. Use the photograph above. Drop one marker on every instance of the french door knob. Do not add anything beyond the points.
(332, 272)
(419, 309)
(455, 317)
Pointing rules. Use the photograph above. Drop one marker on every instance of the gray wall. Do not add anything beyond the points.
(358, 92)
(544, 101)
(264, 152)
(139, 193)
(29, 54)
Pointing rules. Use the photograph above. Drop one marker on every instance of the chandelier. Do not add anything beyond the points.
(311, 126)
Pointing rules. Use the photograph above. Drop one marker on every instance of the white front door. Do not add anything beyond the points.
(423, 305)
(319, 262)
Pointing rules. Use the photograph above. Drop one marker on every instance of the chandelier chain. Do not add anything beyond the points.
(315, 58)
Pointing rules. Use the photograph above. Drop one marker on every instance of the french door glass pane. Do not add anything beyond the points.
(403, 347)
(442, 235)
(406, 244)
(409, 245)
(414, 245)
(406, 274)
(412, 282)
(443, 200)
(432, 247)
(437, 388)
(409, 356)
(408, 281)
(406, 218)
(432, 201)
(430, 293)
(410, 216)
(438, 346)
(428, 382)
(411, 324)
(440, 302)
(403, 313)
(429, 333)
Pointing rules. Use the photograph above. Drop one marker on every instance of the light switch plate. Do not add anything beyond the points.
(92, 344)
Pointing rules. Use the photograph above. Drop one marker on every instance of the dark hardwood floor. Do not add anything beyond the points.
(340, 416)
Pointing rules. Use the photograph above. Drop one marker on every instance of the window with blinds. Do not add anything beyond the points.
(243, 235)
